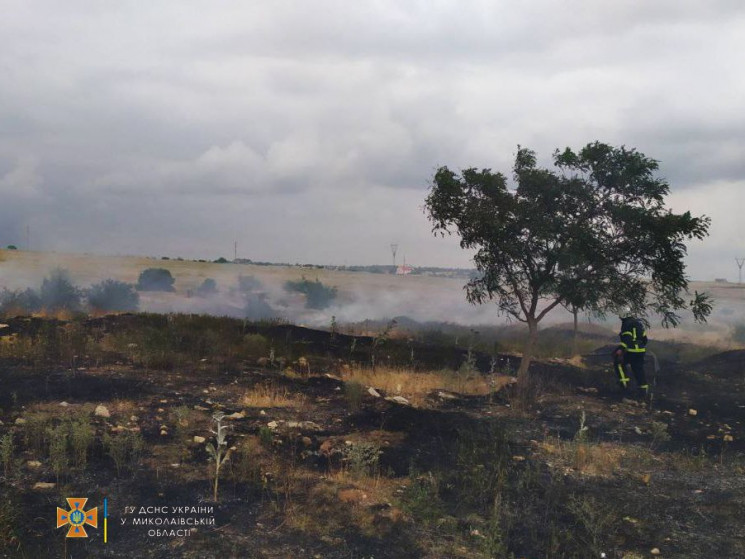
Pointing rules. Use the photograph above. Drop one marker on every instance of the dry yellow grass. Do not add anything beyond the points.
(268, 395)
(593, 459)
(415, 386)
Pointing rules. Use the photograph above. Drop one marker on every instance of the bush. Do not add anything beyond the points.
(113, 295)
(155, 279)
(19, 302)
(12, 247)
(317, 295)
(208, 287)
(59, 293)
(738, 333)
(248, 284)
(257, 308)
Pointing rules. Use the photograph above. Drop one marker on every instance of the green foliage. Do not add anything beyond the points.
(112, 295)
(124, 449)
(362, 458)
(266, 436)
(58, 457)
(317, 295)
(9, 525)
(82, 435)
(207, 288)
(155, 279)
(59, 293)
(482, 458)
(595, 235)
(7, 453)
(421, 499)
(11, 247)
(35, 433)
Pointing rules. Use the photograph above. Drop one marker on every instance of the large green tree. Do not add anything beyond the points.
(593, 234)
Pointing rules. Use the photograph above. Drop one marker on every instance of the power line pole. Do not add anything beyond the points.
(235, 251)
(394, 249)
(740, 262)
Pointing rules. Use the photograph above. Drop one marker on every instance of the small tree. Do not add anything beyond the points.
(112, 295)
(59, 293)
(208, 287)
(19, 302)
(317, 295)
(594, 235)
(155, 279)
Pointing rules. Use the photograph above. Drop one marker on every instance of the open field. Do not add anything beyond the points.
(361, 295)
(445, 458)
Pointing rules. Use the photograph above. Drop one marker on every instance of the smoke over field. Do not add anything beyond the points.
(261, 292)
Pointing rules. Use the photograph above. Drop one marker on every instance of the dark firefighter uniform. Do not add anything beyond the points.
(631, 352)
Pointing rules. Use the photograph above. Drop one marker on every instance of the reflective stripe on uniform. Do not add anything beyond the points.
(637, 350)
(621, 373)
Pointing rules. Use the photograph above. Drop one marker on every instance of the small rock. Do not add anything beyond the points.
(446, 396)
(728, 438)
(638, 431)
(175, 465)
(133, 418)
(101, 411)
(163, 432)
(236, 415)
(43, 485)
(205, 391)
(518, 458)
(690, 412)
(33, 464)
(272, 425)
(372, 392)
(164, 401)
(262, 412)
(398, 400)
(198, 439)
(201, 408)
(20, 421)
(161, 410)
(64, 404)
(307, 441)
(655, 551)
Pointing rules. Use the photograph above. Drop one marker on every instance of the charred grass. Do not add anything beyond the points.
(471, 466)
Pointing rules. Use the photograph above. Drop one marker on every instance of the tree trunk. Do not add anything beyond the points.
(528, 350)
(575, 311)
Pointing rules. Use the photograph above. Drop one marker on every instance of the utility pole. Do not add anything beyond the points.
(235, 251)
(394, 249)
(740, 262)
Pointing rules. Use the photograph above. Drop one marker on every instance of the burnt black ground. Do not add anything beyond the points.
(691, 504)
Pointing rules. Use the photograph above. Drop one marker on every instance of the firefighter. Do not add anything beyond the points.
(631, 352)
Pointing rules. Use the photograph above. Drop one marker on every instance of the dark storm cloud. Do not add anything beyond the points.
(309, 131)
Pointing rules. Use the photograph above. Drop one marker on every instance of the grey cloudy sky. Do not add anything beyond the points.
(308, 131)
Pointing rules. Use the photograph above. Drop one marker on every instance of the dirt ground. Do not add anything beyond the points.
(565, 466)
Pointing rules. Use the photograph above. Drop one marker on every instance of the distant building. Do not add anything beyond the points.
(721, 280)
(404, 270)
